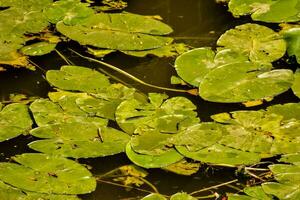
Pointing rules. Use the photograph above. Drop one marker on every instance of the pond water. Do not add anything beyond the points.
(197, 23)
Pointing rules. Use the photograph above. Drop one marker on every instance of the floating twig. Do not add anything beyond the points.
(192, 91)
(214, 187)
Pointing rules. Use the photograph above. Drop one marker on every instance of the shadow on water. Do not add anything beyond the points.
(196, 22)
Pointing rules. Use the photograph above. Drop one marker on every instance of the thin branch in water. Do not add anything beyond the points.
(214, 187)
(234, 187)
(149, 184)
(192, 91)
(124, 186)
(64, 58)
(256, 169)
(254, 175)
(262, 163)
(36, 65)
(206, 197)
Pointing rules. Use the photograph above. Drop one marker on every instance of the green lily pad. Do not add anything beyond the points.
(183, 167)
(259, 43)
(47, 174)
(79, 140)
(168, 116)
(249, 130)
(221, 155)
(291, 158)
(282, 191)
(14, 121)
(296, 85)
(105, 103)
(286, 146)
(12, 31)
(292, 38)
(126, 32)
(182, 196)
(193, 65)
(38, 49)
(149, 161)
(170, 50)
(288, 111)
(267, 10)
(150, 141)
(69, 11)
(10, 193)
(46, 112)
(154, 196)
(286, 173)
(199, 136)
(252, 193)
(245, 81)
(288, 186)
(67, 101)
(78, 79)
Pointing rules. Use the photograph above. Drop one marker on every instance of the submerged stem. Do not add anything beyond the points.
(214, 187)
(131, 76)
(64, 58)
(36, 65)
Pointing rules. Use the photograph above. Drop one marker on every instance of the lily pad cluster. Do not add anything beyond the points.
(28, 30)
(241, 69)
(177, 196)
(286, 187)
(275, 11)
(159, 132)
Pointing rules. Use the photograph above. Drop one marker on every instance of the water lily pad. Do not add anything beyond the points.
(154, 196)
(267, 10)
(14, 121)
(259, 43)
(252, 193)
(183, 167)
(79, 140)
(69, 11)
(296, 85)
(46, 112)
(105, 102)
(193, 65)
(148, 161)
(292, 37)
(11, 193)
(286, 173)
(291, 158)
(47, 174)
(126, 32)
(221, 155)
(288, 111)
(282, 191)
(170, 50)
(150, 141)
(182, 196)
(78, 79)
(245, 81)
(168, 116)
(288, 186)
(199, 136)
(38, 49)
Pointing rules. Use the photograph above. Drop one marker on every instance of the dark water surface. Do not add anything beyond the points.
(195, 22)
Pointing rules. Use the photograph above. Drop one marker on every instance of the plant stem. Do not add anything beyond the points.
(256, 169)
(148, 183)
(206, 197)
(214, 187)
(125, 186)
(64, 58)
(131, 76)
(36, 65)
